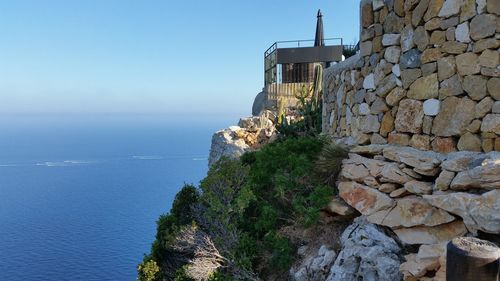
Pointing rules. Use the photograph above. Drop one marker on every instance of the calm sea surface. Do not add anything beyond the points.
(79, 197)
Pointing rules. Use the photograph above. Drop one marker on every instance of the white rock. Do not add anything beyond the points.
(367, 254)
(462, 32)
(369, 82)
(396, 70)
(364, 109)
(431, 107)
(225, 144)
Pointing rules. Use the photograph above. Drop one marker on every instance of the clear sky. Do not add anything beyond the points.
(149, 56)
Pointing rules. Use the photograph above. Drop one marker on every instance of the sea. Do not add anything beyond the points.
(80, 195)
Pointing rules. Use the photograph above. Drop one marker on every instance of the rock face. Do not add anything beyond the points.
(251, 133)
(431, 235)
(315, 268)
(226, 144)
(368, 253)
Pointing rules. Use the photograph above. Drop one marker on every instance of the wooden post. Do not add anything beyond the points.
(472, 259)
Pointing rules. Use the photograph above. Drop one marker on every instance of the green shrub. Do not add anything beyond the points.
(182, 207)
(329, 163)
(148, 270)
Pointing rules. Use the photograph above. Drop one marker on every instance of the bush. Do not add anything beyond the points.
(148, 270)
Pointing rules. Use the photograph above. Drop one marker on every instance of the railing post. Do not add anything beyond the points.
(472, 259)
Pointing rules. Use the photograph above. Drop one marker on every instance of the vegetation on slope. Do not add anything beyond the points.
(228, 228)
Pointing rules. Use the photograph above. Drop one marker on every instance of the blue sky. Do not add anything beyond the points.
(149, 56)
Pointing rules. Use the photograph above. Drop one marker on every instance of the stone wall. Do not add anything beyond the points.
(427, 76)
(420, 107)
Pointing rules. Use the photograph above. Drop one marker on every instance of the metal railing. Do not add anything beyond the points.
(297, 43)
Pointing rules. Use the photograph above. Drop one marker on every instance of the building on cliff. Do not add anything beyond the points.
(289, 65)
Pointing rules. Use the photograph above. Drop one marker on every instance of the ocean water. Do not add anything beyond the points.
(79, 196)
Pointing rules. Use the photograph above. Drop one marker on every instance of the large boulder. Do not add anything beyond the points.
(225, 143)
(368, 253)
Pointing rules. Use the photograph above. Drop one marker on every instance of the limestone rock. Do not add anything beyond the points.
(408, 76)
(398, 139)
(469, 142)
(392, 54)
(475, 86)
(468, 64)
(391, 39)
(484, 174)
(423, 160)
(386, 85)
(493, 7)
(421, 142)
(489, 58)
(455, 115)
(491, 123)
(387, 187)
(462, 32)
(450, 87)
(484, 107)
(431, 107)
(315, 268)
(431, 234)
(367, 254)
(433, 9)
(364, 109)
(365, 48)
(393, 23)
(398, 193)
(407, 38)
(368, 124)
(460, 161)
(438, 37)
(429, 68)
(450, 8)
(468, 10)
(369, 82)
(482, 26)
(394, 96)
(418, 187)
(410, 116)
(226, 144)
(339, 207)
(396, 70)
(444, 180)
(496, 107)
(483, 44)
(453, 47)
(363, 198)
(424, 88)
(378, 106)
(372, 149)
(430, 55)
(479, 212)
(418, 12)
(443, 145)
(421, 38)
(411, 211)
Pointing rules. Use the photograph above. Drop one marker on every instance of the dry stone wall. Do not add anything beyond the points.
(420, 107)
(427, 76)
